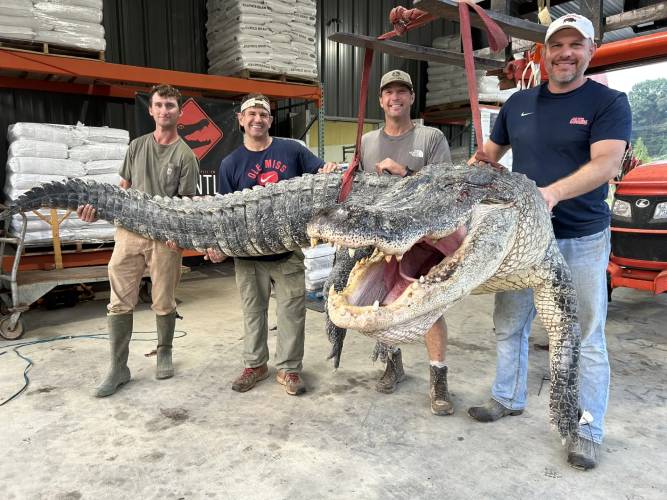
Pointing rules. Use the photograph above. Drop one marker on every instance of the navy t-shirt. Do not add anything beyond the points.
(551, 135)
(283, 159)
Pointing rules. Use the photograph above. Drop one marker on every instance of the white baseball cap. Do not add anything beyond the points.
(580, 23)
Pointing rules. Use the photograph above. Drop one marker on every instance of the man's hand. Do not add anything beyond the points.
(86, 213)
(390, 166)
(328, 167)
(551, 196)
(214, 255)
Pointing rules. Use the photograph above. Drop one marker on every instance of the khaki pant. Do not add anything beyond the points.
(254, 279)
(132, 255)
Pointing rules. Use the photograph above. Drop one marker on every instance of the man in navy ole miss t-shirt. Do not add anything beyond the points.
(263, 160)
(568, 135)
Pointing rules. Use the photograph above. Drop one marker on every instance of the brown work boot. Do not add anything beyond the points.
(393, 373)
(441, 403)
(491, 411)
(292, 381)
(249, 377)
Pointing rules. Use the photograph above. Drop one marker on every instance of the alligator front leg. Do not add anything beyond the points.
(556, 304)
(343, 264)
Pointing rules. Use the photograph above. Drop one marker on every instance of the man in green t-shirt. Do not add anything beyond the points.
(403, 147)
(159, 163)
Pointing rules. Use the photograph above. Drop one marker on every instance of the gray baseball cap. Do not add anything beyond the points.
(396, 76)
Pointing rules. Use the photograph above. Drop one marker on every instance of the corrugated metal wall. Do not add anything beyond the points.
(166, 34)
(342, 64)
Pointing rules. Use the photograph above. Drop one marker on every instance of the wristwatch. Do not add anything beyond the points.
(408, 171)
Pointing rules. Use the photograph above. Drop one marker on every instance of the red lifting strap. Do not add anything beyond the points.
(403, 20)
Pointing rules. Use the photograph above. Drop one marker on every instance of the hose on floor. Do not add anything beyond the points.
(94, 336)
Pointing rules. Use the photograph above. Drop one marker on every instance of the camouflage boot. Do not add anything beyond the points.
(393, 373)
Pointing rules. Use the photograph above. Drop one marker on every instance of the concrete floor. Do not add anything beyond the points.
(192, 437)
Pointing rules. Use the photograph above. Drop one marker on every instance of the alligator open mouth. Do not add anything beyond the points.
(381, 279)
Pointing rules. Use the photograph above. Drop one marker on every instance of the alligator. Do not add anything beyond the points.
(434, 237)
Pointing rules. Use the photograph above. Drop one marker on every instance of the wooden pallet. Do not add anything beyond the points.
(50, 48)
(274, 77)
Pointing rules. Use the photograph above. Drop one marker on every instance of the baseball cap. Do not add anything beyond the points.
(396, 76)
(575, 21)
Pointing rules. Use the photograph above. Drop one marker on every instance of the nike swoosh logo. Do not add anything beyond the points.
(526, 114)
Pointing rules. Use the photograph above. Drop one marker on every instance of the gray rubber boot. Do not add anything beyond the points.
(120, 333)
(165, 336)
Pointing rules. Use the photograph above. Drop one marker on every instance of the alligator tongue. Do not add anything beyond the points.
(417, 262)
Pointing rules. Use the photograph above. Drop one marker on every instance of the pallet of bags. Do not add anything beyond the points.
(63, 23)
(71, 23)
(448, 84)
(318, 261)
(262, 38)
(40, 153)
(17, 21)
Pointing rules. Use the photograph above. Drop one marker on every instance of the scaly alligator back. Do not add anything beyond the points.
(259, 221)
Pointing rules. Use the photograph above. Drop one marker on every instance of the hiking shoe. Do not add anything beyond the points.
(292, 381)
(393, 373)
(491, 411)
(441, 403)
(249, 377)
(584, 454)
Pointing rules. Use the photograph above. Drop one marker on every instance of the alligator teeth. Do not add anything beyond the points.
(313, 242)
(376, 305)
(422, 279)
(350, 252)
(399, 258)
(387, 258)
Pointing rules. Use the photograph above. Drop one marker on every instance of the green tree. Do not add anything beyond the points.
(648, 100)
(640, 152)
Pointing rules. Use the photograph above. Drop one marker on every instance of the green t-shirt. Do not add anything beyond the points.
(156, 169)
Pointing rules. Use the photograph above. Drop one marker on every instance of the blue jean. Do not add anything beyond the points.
(514, 312)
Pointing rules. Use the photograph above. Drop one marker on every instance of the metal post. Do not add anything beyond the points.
(320, 124)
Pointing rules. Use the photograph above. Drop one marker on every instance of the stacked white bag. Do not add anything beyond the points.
(319, 262)
(70, 23)
(268, 36)
(40, 153)
(448, 84)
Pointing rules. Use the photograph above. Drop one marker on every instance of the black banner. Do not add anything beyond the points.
(208, 126)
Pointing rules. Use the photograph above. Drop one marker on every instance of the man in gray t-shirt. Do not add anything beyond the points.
(402, 148)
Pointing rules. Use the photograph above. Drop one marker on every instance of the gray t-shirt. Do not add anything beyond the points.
(156, 169)
(416, 148)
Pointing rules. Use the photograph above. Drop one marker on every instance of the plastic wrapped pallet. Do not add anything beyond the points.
(91, 152)
(264, 36)
(40, 149)
(46, 166)
(43, 132)
(75, 23)
(16, 8)
(448, 84)
(87, 144)
(97, 167)
(318, 261)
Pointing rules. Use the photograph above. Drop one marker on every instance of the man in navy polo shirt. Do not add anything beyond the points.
(263, 160)
(569, 135)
